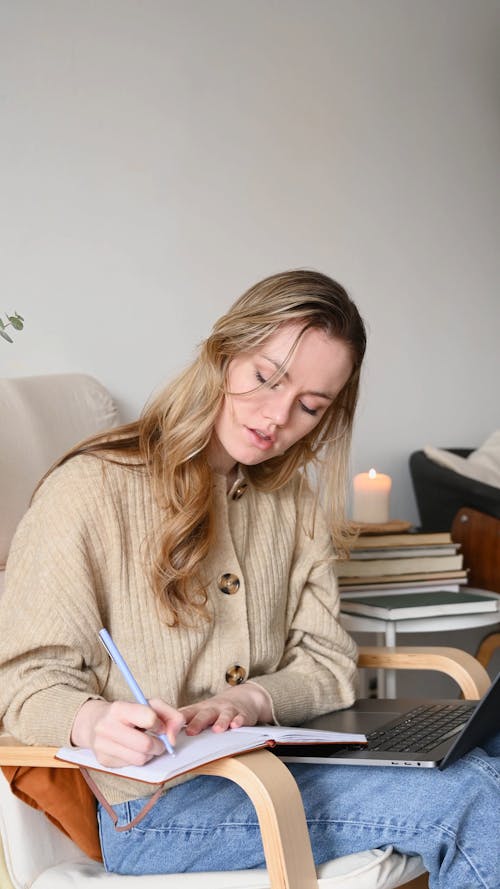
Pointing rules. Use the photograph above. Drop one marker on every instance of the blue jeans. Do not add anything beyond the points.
(450, 818)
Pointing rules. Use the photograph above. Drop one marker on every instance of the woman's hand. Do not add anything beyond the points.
(119, 732)
(245, 704)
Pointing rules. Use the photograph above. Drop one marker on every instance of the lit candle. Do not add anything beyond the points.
(371, 497)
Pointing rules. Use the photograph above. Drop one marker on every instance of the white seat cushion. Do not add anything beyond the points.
(38, 856)
(46, 415)
(366, 870)
(482, 465)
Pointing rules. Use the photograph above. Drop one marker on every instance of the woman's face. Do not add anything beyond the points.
(253, 426)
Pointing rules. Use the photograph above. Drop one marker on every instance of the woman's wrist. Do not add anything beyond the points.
(82, 730)
(262, 700)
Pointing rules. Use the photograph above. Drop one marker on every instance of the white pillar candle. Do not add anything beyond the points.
(371, 497)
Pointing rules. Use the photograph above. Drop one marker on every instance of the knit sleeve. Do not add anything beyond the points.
(317, 672)
(50, 658)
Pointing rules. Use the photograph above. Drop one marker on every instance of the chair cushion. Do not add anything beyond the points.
(483, 465)
(373, 869)
(45, 416)
(38, 856)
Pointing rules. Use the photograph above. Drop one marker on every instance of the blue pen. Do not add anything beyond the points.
(115, 656)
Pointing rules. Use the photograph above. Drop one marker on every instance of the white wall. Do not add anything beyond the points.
(158, 156)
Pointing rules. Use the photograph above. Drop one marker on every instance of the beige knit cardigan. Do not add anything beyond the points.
(76, 564)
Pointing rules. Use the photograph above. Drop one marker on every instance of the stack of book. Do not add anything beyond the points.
(411, 562)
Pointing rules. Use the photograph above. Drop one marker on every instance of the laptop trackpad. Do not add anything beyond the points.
(365, 716)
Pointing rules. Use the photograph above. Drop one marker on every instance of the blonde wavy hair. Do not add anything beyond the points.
(172, 436)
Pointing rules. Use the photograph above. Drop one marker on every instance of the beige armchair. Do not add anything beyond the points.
(47, 415)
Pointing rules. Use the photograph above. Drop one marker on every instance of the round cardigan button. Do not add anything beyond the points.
(229, 584)
(235, 675)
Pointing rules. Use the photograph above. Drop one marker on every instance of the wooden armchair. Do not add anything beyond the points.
(57, 863)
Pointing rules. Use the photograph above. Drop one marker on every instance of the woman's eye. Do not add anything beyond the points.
(262, 381)
(309, 410)
(312, 412)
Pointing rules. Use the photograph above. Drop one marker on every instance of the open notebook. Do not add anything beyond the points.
(208, 746)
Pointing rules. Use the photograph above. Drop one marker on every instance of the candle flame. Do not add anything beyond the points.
(372, 473)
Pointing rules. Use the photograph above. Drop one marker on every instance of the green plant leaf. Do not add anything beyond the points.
(6, 336)
(17, 324)
(2, 325)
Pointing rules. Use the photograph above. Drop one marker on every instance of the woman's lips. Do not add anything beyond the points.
(260, 439)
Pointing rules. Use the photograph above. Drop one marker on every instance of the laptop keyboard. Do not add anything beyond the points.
(422, 728)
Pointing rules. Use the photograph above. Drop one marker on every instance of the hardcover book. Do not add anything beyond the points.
(421, 604)
(375, 541)
(376, 567)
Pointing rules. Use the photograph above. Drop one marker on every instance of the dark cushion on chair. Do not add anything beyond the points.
(440, 492)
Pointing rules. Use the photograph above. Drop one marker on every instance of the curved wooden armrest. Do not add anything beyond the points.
(467, 672)
(13, 753)
(278, 804)
(265, 779)
(488, 645)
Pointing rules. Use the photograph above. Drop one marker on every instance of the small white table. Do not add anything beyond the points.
(389, 629)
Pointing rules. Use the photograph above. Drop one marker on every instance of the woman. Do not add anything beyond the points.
(195, 538)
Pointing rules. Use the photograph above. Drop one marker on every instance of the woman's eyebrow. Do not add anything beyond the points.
(278, 365)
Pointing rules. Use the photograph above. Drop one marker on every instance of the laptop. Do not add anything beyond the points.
(414, 733)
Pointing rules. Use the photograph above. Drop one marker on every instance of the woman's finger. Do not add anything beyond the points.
(170, 720)
(116, 754)
(129, 744)
(201, 719)
(213, 713)
(125, 726)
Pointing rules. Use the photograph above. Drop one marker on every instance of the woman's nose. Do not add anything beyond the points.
(278, 408)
